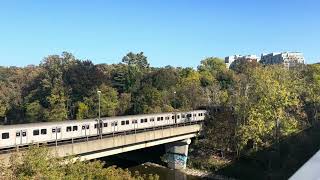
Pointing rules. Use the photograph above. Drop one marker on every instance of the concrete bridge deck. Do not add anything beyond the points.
(87, 149)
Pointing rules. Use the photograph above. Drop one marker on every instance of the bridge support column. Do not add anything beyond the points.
(177, 153)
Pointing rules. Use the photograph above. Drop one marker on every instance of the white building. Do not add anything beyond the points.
(288, 59)
(231, 61)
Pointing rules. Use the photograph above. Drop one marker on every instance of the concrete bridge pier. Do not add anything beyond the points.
(177, 153)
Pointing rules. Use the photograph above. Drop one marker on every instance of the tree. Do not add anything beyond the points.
(109, 102)
(311, 90)
(57, 110)
(40, 163)
(219, 130)
(125, 104)
(139, 60)
(272, 107)
(34, 111)
(189, 93)
(147, 100)
(82, 110)
(81, 78)
(137, 65)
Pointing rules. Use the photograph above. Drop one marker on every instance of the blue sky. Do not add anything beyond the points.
(169, 32)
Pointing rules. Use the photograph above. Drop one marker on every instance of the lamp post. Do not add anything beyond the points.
(174, 103)
(99, 120)
(174, 106)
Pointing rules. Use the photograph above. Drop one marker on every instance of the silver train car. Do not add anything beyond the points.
(46, 132)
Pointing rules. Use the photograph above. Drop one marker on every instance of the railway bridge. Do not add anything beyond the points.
(176, 138)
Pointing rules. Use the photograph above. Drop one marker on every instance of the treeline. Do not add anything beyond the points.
(250, 106)
(63, 87)
(262, 106)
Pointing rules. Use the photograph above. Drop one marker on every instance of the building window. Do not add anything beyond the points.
(36, 132)
(68, 128)
(5, 135)
(43, 131)
(75, 128)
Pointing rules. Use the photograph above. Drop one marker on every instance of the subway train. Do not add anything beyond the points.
(53, 132)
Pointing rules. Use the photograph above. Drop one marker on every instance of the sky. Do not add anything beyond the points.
(169, 32)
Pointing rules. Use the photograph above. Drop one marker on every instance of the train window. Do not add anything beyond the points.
(87, 126)
(178, 117)
(127, 121)
(158, 118)
(43, 131)
(75, 128)
(145, 120)
(36, 132)
(18, 134)
(194, 115)
(53, 130)
(189, 115)
(167, 118)
(134, 121)
(141, 120)
(24, 133)
(123, 122)
(161, 118)
(83, 127)
(95, 126)
(183, 116)
(59, 130)
(68, 128)
(151, 119)
(5, 135)
(114, 124)
(105, 124)
(172, 117)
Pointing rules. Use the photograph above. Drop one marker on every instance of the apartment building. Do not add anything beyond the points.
(288, 59)
(232, 61)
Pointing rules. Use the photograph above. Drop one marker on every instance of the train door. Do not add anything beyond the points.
(85, 130)
(114, 126)
(56, 133)
(21, 137)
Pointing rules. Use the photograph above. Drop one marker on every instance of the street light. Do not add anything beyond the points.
(174, 106)
(98, 126)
